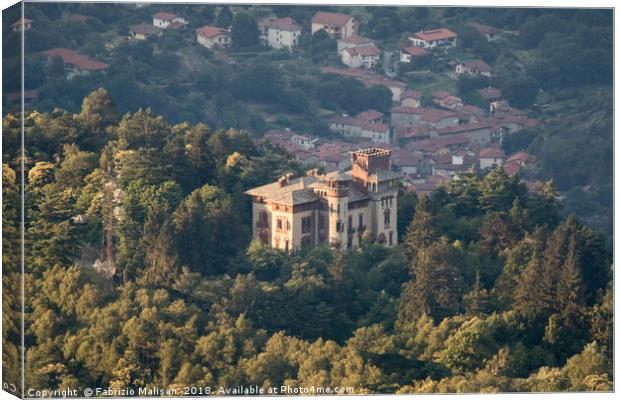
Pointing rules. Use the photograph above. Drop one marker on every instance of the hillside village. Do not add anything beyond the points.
(444, 91)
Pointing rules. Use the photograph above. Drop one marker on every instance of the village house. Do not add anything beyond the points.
(372, 116)
(144, 31)
(213, 37)
(434, 38)
(435, 145)
(446, 100)
(358, 127)
(21, 24)
(283, 33)
(337, 25)
(474, 68)
(489, 157)
(74, 63)
(494, 98)
(353, 41)
(336, 208)
(360, 57)
(406, 134)
(166, 20)
(432, 118)
(479, 134)
(407, 161)
(489, 32)
(407, 54)
(411, 98)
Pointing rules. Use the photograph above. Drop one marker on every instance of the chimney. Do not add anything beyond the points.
(282, 181)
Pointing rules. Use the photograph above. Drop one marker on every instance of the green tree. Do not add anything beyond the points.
(244, 30)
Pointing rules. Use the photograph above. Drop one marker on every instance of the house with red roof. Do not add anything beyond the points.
(359, 127)
(166, 20)
(75, 63)
(283, 33)
(353, 41)
(337, 25)
(432, 118)
(479, 134)
(489, 32)
(372, 116)
(407, 161)
(144, 31)
(474, 68)
(360, 57)
(407, 54)
(441, 37)
(213, 37)
(411, 98)
(21, 24)
(490, 157)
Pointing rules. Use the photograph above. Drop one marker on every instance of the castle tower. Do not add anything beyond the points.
(337, 205)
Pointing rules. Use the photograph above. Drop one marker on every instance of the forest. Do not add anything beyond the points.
(492, 289)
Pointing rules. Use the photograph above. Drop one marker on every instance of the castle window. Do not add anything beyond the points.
(350, 223)
(305, 241)
(391, 238)
(263, 219)
(306, 224)
(282, 224)
(361, 220)
(386, 218)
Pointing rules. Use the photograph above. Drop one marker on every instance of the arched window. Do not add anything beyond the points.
(386, 217)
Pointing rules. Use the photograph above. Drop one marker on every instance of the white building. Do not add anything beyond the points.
(283, 33)
(360, 57)
(336, 25)
(21, 24)
(474, 67)
(164, 19)
(434, 38)
(407, 54)
(490, 157)
(213, 37)
(353, 41)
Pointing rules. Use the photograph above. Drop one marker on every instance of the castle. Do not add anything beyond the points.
(335, 208)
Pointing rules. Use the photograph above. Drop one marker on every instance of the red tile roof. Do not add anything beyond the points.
(512, 167)
(442, 94)
(491, 152)
(412, 132)
(427, 114)
(405, 158)
(363, 51)
(433, 145)
(284, 24)
(74, 58)
(521, 157)
(328, 18)
(478, 65)
(411, 94)
(462, 128)
(164, 16)
(177, 25)
(484, 29)
(414, 51)
(357, 40)
(435, 34)
(370, 115)
(212, 31)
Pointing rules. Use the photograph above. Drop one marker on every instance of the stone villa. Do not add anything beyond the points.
(335, 208)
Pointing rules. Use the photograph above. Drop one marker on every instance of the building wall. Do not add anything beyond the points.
(489, 162)
(349, 60)
(278, 39)
(404, 119)
(161, 23)
(337, 32)
(216, 41)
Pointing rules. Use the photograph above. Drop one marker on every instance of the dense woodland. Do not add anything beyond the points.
(492, 288)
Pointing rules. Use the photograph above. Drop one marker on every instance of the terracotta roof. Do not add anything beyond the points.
(71, 57)
(376, 127)
(212, 31)
(145, 29)
(521, 157)
(177, 25)
(435, 34)
(491, 152)
(328, 18)
(21, 22)
(484, 29)
(441, 94)
(164, 16)
(411, 94)
(478, 65)
(512, 167)
(462, 128)
(357, 40)
(404, 158)
(432, 145)
(370, 115)
(490, 93)
(449, 100)
(410, 132)
(284, 24)
(414, 51)
(363, 51)
(427, 114)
